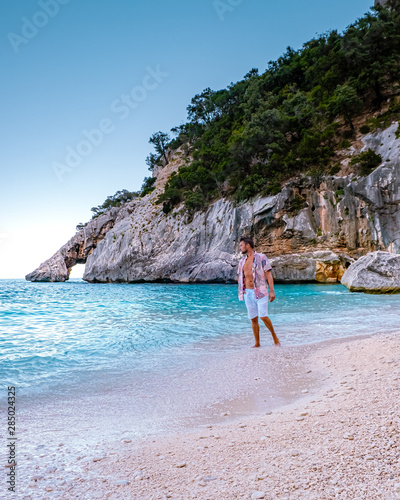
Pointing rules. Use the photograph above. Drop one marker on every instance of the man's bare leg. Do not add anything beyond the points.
(256, 330)
(268, 324)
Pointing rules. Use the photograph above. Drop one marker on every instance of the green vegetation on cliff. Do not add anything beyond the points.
(249, 138)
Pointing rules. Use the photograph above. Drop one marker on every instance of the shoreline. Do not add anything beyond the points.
(341, 438)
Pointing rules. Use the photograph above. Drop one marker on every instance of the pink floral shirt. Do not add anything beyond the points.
(260, 265)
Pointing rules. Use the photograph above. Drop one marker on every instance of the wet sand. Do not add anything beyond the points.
(318, 421)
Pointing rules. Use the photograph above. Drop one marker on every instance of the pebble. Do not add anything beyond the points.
(121, 482)
(138, 475)
(181, 464)
(209, 478)
(258, 494)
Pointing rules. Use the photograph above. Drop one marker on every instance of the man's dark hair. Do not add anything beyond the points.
(248, 240)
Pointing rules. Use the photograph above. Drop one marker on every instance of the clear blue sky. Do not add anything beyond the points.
(67, 71)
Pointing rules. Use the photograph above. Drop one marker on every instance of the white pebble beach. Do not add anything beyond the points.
(336, 440)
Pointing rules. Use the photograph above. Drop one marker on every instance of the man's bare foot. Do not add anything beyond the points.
(256, 345)
(277, 343)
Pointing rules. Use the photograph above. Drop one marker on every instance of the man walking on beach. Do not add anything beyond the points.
(252, 270)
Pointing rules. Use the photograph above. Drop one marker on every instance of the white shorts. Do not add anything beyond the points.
(256, 307)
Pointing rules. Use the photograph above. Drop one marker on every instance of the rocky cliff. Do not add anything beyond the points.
(311, 231)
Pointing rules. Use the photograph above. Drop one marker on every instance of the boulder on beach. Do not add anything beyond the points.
(323, 266)
(376, 272)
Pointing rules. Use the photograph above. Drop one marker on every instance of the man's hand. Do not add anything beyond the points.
(268, 276)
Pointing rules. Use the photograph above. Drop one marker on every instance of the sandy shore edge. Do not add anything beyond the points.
(340, 440)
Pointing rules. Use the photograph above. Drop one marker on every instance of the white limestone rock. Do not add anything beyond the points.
(376, 272)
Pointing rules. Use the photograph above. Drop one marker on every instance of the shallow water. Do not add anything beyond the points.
(56, 337)
(95, 364)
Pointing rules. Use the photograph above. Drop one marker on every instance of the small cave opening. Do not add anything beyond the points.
(77, 271)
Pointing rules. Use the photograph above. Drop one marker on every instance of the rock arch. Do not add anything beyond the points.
(76, 250)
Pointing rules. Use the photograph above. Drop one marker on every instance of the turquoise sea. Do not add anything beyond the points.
(101, 363)
(72, 333)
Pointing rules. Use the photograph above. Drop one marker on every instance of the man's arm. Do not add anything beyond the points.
(270, 279)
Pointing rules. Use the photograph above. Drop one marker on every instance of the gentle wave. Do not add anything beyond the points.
(69, 333)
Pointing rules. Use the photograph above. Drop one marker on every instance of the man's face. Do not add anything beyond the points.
(244, 247)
